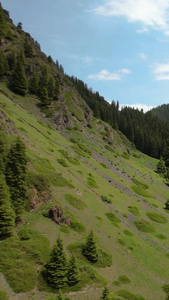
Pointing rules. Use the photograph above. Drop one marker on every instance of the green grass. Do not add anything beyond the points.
(155, 217)
(113, 218)
(75, 201)
(124, 279)
(134, 211)
(144, 226)
(127, 295)
(128, 233)
(140, 191)
(73, 160)
(3, 295)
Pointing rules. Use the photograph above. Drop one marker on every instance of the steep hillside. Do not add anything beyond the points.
(82, 176)
(102, 184)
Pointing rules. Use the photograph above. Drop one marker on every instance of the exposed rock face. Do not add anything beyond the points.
(37, 199)
(56, 214)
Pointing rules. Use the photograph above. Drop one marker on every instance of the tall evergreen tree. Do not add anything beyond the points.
(7, 215)
(56, 269)
(73, 274)
(18, 82)
(90, 249)
(15, 176)
(166, 154)
(33, 83)
(56, 90)
(43, 87)
(50, 88)
(28, 48)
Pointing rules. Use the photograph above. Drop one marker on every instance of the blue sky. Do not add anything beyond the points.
(120, 48)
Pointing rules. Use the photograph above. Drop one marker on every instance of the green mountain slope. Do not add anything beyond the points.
(82, 175)
(104, 185)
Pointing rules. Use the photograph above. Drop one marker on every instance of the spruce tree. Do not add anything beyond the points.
(90, 249)
(33, 84)
(105, 294)
(43, 88)
(16, 176)
(18, 81)
(7, 215)
(161, 167)
(73, 274)
(56, 269)
(50, 88)
(56, 90)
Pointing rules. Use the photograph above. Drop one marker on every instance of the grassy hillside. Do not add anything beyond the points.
(102, 184)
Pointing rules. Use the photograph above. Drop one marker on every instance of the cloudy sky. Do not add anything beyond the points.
(120, 48)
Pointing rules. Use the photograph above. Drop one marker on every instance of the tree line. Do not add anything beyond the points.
(146, 131)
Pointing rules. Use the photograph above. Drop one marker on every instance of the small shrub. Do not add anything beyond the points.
(77, 226)
(134, 211)
(140, 191)
(104, 165)
(128, 233)
(92, 183)
(161, 236)
(121, 242)
(144, 226)
(124, 279)
(24, 234)
(62, 162)
(117, 283)
(155, 217)
(75, 201)
(106, 199)
(112, 217)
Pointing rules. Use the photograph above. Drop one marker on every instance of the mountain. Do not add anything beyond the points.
(84, 181)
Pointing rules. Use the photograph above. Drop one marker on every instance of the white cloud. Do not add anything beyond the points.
(142, 30)
(106, 75)
(138, 106)
(150, 13)
(143, 56)
(161, 71)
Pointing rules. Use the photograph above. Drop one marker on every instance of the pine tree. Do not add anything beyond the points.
(73, 274)
(56, 90)
(28, 48)
(90, 249)
(56, 269)
(33, 84)
(43, 90)
(7, 215)
(50, 88)
(105, 294)
(166, 154)
(16, 175)
(161, 168)
(18, 81)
